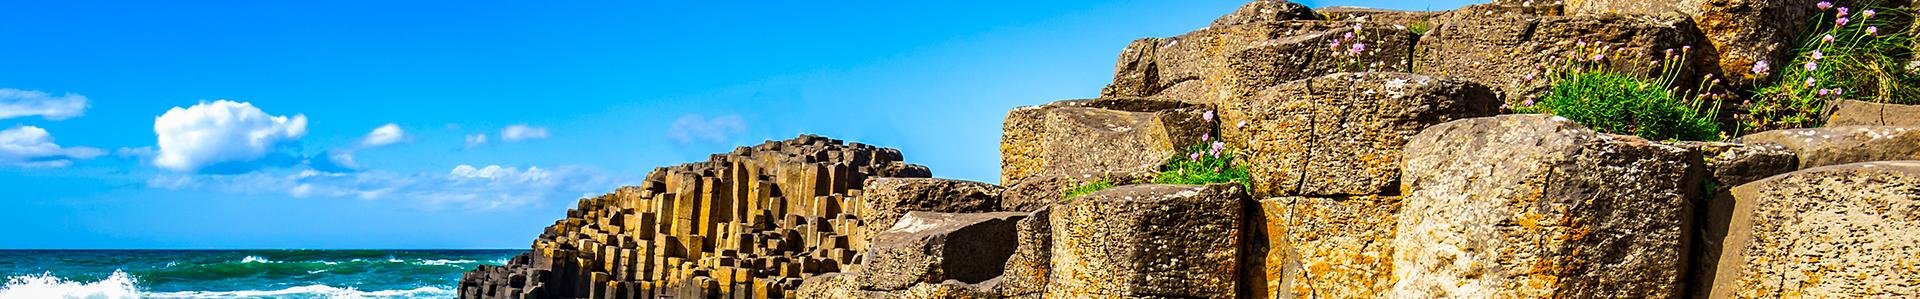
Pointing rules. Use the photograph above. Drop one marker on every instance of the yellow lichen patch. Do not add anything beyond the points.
(1530, 220)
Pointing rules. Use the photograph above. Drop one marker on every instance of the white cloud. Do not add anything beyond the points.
(23, 103)
(30, 146)
(384, 135)
(463, 187)
(223, 136)
(694, 127)
(522, 132)
(476, 140)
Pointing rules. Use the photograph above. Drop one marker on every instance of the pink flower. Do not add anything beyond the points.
(1599, 56)
(1194, 156)
(1824, 5)
(1528, 103)
(1812, 65)
(1356, 26)
(1207, 116)
(1843, 12)
(1840, 22)
(1357, 48)
(1873, 30)
(1817, 55)
(1824, 91)
(1867, 14)
(1528, 78)
(1349, 35)
(1810, 82)
(1837, 91)
(1242, 124)
(1219, 146)
(1206, 136)
(1761, 68)
(1826, 39)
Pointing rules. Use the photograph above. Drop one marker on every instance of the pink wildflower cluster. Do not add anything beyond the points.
(1215, 146)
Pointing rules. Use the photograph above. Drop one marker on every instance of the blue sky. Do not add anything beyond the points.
(473, 124)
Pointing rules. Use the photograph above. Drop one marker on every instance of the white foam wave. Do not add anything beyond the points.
(120, 285)
(45, 285)
(256, 259)
(445, 262)
(310, 291)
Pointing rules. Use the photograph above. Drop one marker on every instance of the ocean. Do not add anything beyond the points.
(239, 273)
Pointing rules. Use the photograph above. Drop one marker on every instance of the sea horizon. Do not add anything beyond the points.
(240, 273)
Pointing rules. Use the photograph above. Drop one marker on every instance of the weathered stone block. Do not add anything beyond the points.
(1817, 147)
(885, 200)
(1510, 52)
(1536, 206)
(1244, 52)
(1397, 19)
(1844, 231)
(1177, 241)
(1027, 269)
(1739, 32)
(1342, 134)
(1089, 139)
(1862, 113)
(926, 247)
(1321, 247)
(1726, 165)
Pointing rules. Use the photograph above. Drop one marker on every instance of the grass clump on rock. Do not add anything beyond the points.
(1084, 189)
(1209, 162)
(1849, 54)
(1605, 100)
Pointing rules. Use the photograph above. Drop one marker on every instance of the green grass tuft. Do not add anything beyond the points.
(1854, 64)
(1623, 104)
(1207, 169)
(1084, 189)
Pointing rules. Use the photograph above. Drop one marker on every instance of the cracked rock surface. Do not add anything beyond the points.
(1342, 134)
(1844, 231)
(1536, 206)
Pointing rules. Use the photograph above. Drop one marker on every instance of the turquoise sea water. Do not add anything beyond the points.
(239, 273)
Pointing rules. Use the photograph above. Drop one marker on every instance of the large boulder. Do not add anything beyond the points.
(1085, 140)
(1342, 134)
(1511, 52)
(927, 247)
(1845, 231)
(1536, 206)
(1863, 113)
(1321, 247)
(1221, 63)
(1148, 241)
(1740, 32)
(885, 200)
(1843, 145)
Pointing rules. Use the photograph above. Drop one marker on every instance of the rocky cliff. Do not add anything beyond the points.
(1379, 171)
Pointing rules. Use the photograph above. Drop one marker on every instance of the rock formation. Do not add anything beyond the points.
(1860, 113)
(1535, 206)
(752, 222)
(1835, 231)
(1377, 171)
